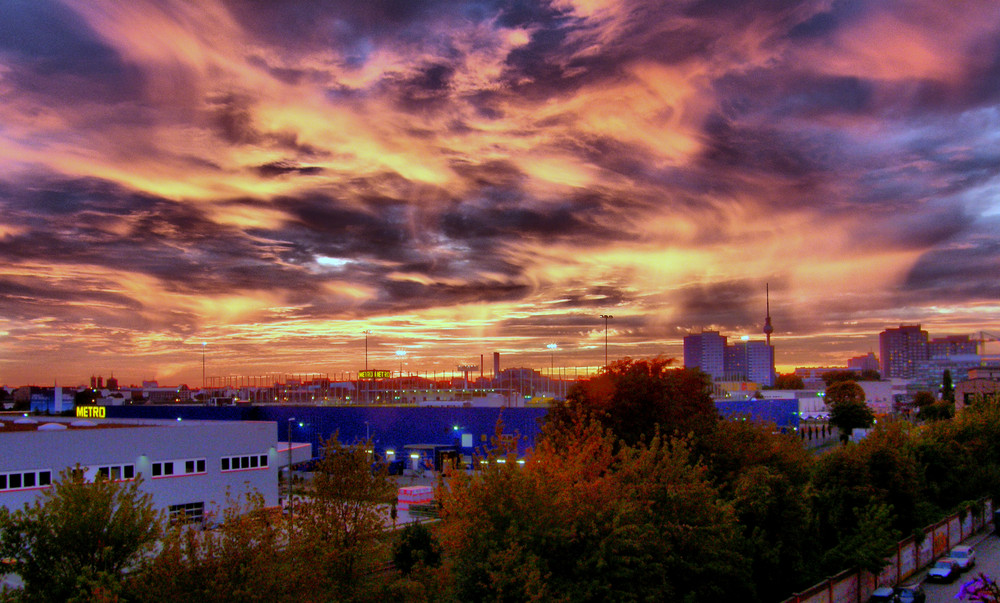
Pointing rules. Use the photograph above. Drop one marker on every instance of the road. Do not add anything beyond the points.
(987, 561)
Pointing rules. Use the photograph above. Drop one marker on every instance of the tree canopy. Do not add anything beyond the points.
(78, 536)
(790, 381)
(634, 398)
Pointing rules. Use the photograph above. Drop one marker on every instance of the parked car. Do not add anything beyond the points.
(964, 556)
(943, 570)
(911, 593)
(883, 594)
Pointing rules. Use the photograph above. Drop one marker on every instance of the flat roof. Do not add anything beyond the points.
(8, 425)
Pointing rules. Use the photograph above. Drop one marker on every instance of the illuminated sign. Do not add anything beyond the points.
(90, 412)
(374, 374)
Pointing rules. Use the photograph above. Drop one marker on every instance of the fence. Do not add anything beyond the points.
(911, 555)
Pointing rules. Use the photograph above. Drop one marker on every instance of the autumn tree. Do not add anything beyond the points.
(243, 559)
(789, 381)
(341, 527)
(329, 550)
(766, 476)
(635, 397)
(848, 411)
(587, 520)
(78, 537)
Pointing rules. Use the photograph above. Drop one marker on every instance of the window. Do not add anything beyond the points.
(117, 473)
(25, 479)
(178, 467)
(249, 461)
(187, 513)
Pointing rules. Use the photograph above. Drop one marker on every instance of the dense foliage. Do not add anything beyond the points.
(78, 537)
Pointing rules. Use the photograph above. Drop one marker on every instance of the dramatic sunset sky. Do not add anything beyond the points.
(274, 178)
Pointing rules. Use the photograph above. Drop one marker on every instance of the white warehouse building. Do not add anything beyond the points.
(188, 467)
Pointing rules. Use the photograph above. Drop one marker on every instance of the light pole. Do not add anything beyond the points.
(203, 344)
(552, 365)
(291, 508)
(401, 354)
(606, 317)
(367, 333)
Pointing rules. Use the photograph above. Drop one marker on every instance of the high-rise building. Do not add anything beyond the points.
(953, 345)
(900, 351)
(743, 361)
(706, 351)
(750, 361)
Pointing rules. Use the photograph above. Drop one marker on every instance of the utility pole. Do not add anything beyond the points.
(606, 317)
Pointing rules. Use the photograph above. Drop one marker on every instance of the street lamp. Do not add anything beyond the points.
(606, 317)
(401, 354)
(203, 344)
(367, 333)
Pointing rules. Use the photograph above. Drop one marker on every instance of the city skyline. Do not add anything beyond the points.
(255, 185)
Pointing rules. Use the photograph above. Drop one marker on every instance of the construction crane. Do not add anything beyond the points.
(984, 338)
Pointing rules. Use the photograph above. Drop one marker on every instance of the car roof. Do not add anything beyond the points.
(962, 547)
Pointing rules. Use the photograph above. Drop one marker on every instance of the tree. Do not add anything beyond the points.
(766, 478)
(242, 559)
(585, 519)
(947, 387)
(416, 545)
(790, 381)
(78, 537)
(633, 397)
(866, 546)
(340, 529)
(848, 410)
(923, 399)
(938, 411)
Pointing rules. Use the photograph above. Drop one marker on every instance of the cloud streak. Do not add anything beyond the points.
(463, 178)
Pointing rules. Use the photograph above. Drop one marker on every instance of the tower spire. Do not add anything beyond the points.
(768, 329)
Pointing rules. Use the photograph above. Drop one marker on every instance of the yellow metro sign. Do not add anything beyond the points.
(90, 412)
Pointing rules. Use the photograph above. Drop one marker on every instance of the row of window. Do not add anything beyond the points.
(25, 479)
(250, 461)
(19, 480)
(178, 467)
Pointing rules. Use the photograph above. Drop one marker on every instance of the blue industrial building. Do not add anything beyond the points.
(466, 430)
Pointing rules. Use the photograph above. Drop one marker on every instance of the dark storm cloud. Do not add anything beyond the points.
(97, 223)
(726, 305)
(52, 54)
(966, 270)
(282, 168)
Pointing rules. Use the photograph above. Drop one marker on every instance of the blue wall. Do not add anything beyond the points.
(389, 427)
(783, 413)
(395, 427)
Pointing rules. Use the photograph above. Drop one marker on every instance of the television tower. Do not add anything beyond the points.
(768, 329)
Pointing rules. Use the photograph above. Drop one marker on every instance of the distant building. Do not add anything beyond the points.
(953, 345)
(864, 363)
(983, 382)
(706, 351)
(744, 361)
(812, 376)
(901, 350)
